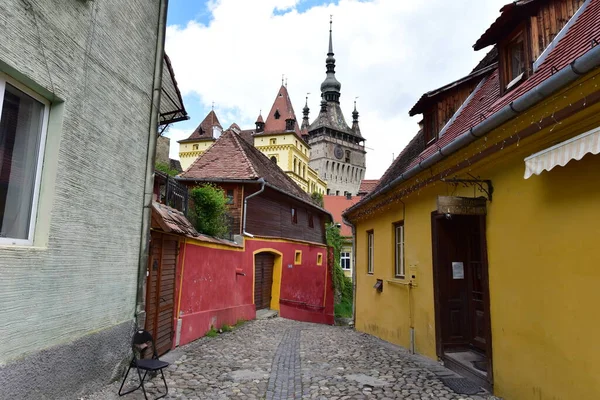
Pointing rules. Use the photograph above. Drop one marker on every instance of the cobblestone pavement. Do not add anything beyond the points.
(282, 359)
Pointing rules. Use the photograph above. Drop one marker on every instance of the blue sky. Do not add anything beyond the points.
(388, 52)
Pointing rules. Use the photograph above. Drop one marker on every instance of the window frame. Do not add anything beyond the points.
(230, 199)
(399, 265)
(4, 79)
(344, 257)
(370, 251)
(430, 125)
(294, 215)
(507, 81)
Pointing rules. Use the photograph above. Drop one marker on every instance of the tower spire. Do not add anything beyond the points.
(330, 88)
(305, 111)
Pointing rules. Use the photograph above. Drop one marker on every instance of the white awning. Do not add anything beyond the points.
(560, 154)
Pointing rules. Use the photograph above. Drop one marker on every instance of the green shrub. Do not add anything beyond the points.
(208, 210)
(162, 167)
(226, 328)
(212, 332)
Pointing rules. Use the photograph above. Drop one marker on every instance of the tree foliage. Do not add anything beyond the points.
(317, 198)
(334, 240)
(165, 168)
(208, 211)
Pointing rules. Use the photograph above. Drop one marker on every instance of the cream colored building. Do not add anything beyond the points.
(200, 140)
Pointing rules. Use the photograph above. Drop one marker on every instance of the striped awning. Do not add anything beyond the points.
(560, 154)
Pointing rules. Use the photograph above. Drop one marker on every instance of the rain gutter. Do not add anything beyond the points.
(140, 309)
(262, 189)
(560, 79)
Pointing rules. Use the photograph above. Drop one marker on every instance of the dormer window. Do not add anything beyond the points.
(277, 115)
(430, 127)
(195, 147)
(514, 59)
(289, 124)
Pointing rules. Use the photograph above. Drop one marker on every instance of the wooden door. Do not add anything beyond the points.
(160, 290)
(460, 268)
(263, 279)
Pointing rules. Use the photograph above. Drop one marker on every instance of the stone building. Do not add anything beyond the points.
(80, 85)
(337, 150)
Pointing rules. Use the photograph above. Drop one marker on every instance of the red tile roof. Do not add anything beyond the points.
(486, 100)
(204, 131)
(367, 186)
(282, 105)
(233, 158)
(336, 205)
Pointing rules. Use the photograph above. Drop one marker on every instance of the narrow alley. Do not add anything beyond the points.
(283, 359)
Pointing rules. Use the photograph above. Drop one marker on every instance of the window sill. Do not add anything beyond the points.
(23, 247)
(397, 281)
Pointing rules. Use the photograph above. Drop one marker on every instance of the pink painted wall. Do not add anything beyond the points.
(213, 294)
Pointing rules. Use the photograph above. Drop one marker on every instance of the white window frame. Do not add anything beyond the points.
(346, 255)
(399, 270)
(4, 79)
(370, 251)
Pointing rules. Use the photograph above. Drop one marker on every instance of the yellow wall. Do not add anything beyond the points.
(544, 266)
(288, 147)
(187, 153)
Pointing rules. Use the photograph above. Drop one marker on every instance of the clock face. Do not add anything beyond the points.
(338, 152)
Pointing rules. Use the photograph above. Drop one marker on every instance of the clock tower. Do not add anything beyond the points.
(337, 150)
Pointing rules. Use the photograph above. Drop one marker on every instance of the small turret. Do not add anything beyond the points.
(260, 123)
(355, 126)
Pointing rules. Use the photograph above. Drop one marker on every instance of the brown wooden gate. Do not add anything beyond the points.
(263, 279)
(160, 289)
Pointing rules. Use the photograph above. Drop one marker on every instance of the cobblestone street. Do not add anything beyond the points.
(282, 359)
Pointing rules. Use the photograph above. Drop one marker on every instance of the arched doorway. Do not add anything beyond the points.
(267, 279)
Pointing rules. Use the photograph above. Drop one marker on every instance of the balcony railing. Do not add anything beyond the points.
(171, 192)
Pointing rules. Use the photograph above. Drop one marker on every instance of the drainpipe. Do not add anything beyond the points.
(262, 189)
(345, 221)
(140, 310)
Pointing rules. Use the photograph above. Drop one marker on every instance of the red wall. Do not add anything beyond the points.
(213, 294)
(306, 290)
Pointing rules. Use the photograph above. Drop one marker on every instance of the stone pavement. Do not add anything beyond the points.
(282, 359)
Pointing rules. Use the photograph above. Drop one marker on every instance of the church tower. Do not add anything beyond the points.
(337, 150)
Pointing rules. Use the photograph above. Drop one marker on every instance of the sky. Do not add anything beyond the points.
(233, 53)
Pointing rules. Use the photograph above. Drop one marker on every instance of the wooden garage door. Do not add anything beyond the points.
(263, 280)
(160, 290)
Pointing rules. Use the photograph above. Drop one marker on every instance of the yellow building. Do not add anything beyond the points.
(200, 140)
(281, 139)
(479, 245)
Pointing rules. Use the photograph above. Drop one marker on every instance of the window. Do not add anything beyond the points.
(319, 258)
(514, 59)
(229, 196)
(311, 222)
(294, 215)
(399, 250)
(22, 137)
(277, 115)
(370, 249)
(298, 257)
(345, 260)
(274, 159)
(273, 141)
(289, 125)
(347, 156)
(195, 147)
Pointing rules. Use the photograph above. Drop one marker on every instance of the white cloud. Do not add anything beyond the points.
(388, 52)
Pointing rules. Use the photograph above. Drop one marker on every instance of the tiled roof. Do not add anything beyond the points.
(204, 131)
(248, 135)
(336, 205)
(233, 158)
(486, 100)
(367, 186)
(283, 107)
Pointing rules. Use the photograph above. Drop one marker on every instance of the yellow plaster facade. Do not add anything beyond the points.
(544, 269)
(189, 151)
(292, 156)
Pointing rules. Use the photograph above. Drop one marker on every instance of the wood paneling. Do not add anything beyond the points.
(551, 17)
(270, 214)
(160, 290)
(263, 280)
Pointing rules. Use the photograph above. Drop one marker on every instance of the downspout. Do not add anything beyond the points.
(140, 309)
(345, 221)
(262, 189)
